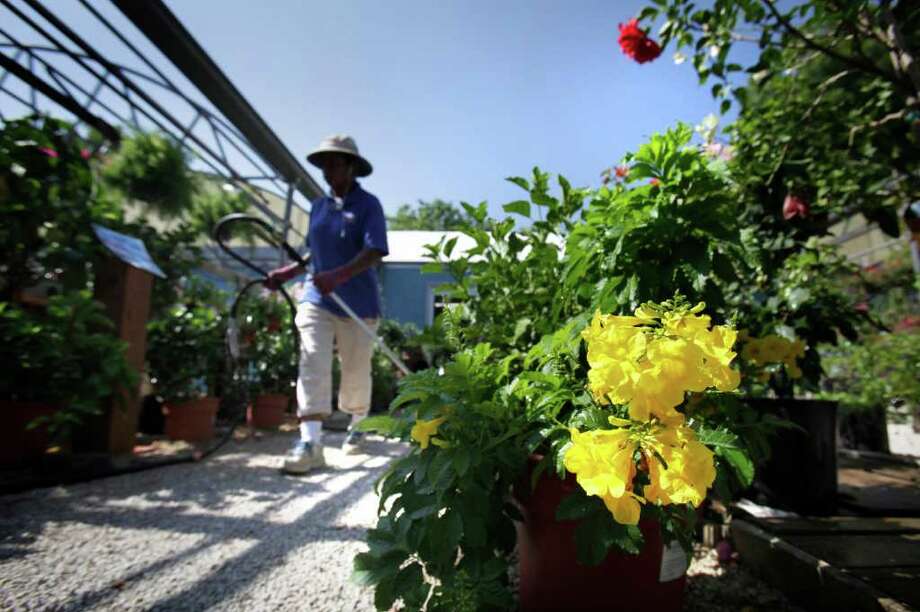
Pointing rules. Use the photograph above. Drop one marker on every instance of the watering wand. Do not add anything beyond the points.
(266, 232)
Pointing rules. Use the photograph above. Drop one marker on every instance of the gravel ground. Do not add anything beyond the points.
(233, 534)
(227, 534)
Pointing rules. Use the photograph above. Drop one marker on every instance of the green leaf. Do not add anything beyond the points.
(432, 267)
(520, 182)
(717, 438)
(385, 593)
(575, 506)
(739, 460)
(382, 424)
(409, 579)
(521, 207)
(368, 570)
(461, 460)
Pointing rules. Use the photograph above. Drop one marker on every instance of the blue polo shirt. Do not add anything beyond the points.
(335, 237)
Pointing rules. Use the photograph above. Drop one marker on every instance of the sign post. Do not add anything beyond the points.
(124, 282)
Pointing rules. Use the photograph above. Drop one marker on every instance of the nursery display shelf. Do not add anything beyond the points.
(867, 560)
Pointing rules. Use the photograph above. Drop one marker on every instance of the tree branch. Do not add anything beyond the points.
(809, 42)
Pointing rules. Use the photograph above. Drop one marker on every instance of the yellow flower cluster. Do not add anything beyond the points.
(680, 468)
(774, 349)
(651, 360)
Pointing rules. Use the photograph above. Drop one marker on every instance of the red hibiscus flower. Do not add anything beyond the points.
(653, 181)
(48, 152)
(85, 153)
(636, 44)
(794, 206)
(621, 171)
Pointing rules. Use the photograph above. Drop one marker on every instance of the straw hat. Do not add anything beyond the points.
(340, 143)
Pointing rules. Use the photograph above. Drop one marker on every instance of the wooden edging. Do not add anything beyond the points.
(804, 578)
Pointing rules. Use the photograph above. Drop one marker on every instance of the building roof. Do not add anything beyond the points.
(408, 246)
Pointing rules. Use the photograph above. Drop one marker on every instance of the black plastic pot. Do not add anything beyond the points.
(801, 474)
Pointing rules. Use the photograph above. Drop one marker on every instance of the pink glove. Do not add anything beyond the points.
(279, 276)
(327, 281)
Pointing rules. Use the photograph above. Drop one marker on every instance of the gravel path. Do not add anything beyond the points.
(232, 533)
(227, 534)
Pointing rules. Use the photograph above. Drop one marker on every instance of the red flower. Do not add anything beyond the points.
(861, 307)
(621, 171)
(793, 207)
(636, 44)
(654, 181)
(48, 152)
(85, 153)
(908, 322)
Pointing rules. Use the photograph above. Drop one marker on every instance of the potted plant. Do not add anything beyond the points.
(520, 441)
(600, 459)
(62, 363)
(269, 348)
(185, 365)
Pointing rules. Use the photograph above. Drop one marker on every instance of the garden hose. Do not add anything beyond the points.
(261, 229)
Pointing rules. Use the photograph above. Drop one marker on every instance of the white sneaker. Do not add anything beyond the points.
(303, 457)
(354, 442)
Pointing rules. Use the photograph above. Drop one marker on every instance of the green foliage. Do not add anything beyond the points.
(876, 372)
(185, 348)
(268, 344)
(644, 240)
(433, 215)
(802, 299)
(828, 107)
(47, 205)
(447, 528)
(65, 355)
(507, 286)
(153, 169)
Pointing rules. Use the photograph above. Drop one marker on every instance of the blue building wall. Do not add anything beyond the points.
(407, 294)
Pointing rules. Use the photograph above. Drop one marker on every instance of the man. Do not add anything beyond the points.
(347, 238)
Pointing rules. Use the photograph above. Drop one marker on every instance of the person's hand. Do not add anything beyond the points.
(327, 281)
(277, 277)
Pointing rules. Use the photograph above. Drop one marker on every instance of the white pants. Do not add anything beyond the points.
(319, 329)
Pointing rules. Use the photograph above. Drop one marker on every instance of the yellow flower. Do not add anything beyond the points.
(635, 361)
(687, 472)
(422, 431)
(625, 509)
(602, 461)
(774, 348)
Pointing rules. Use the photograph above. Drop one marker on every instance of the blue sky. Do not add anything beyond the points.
(445, 98)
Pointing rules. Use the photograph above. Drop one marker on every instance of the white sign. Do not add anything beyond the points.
(673, 562)
(129, 249)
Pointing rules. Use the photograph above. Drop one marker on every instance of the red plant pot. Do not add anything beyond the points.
(552, 579)
(267, 411)
(19, 446)
(193, 420)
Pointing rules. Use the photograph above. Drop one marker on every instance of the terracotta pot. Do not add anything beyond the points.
(267, 411)
(801, 474)
(19, 446)
(552, 579)
(192, 421)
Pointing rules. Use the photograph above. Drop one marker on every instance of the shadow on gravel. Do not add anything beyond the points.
(175, 507)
